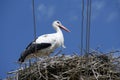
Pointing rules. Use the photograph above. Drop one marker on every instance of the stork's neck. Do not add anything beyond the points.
(58, 31)
(60, 36)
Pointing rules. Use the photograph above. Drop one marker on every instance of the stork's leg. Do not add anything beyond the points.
(58, 52)
(37, 58)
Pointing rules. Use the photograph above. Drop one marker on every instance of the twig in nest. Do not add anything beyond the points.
(96, 74)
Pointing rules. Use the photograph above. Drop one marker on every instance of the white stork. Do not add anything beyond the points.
(45, 44)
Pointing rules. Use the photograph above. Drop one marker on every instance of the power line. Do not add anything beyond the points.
(87, 20)
(34, 25)
(82, 25)
(89, 25)
(88, 15)
(34, 19)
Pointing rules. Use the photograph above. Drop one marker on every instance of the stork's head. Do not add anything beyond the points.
(57, 24)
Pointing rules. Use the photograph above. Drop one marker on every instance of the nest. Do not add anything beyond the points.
(95, 66)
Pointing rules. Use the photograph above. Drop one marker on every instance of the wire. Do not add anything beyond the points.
(88, 13)
(34, 20)
(89, 25)
(82, 25)
(34, 26)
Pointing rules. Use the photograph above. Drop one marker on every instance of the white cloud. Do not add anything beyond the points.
(112, 16)
(98, 5)
(118, 1)
(101, 8)
(45, 11)
(73, 17)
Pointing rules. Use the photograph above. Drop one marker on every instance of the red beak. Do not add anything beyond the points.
(64, 28)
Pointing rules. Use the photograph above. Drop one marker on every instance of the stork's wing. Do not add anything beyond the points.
(47, 38)
(41, 42)
(31, 48)
(31, 43)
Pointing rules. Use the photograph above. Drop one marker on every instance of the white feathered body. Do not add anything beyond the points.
(56, 40)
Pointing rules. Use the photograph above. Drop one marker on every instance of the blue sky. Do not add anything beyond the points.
(16, 26)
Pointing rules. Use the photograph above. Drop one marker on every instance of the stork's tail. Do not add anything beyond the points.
(23, 56)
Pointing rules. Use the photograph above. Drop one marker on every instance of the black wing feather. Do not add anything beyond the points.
(31, 43)
(31, 49)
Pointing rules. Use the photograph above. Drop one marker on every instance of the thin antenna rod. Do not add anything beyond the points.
(82, 25)
(87, 26)
(34, 19)
(88, 13)
(34, 22)
(89, 22)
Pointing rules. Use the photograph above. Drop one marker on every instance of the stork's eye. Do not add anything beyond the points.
(58, 22)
